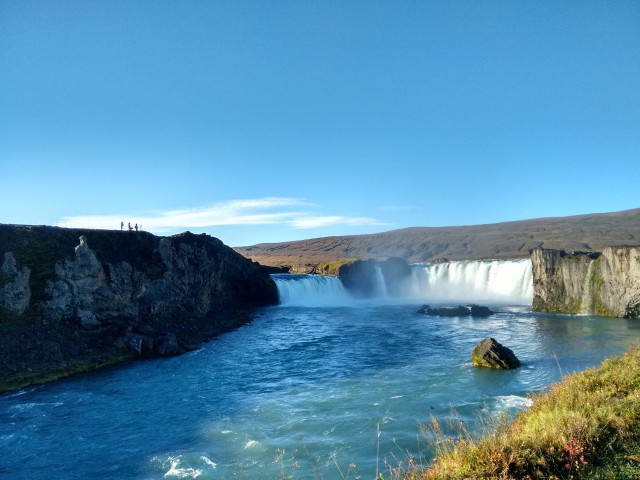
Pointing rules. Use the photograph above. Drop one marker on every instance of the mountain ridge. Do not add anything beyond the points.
(511, 239)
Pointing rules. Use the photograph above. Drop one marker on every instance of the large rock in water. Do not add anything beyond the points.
(459, 311)
(72, 300)
(491, 354)
(480, 311)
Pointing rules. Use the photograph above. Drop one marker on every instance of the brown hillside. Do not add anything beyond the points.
(591, 232)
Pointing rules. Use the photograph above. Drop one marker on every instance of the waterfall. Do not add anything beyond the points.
(380, 285)
(585, 303)
(310, 290)
(495, 281)
(477, 281)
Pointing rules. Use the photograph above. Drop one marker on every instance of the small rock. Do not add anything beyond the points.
(169, 346)
(427, 310)
(491, 354)
(133, 342)
(88, 319)
(147, 344)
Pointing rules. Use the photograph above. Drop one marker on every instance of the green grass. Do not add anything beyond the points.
(333, 268)
(585, 427)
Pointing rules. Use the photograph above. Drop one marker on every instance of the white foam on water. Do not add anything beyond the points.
(250, 443)
(176, 471)
(22, 407)
(508, 402)
(208, 461)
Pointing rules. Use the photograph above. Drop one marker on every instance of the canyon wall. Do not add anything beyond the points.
(606, 283)
(74, 300)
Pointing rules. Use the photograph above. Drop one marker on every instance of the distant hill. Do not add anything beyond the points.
(591, 232)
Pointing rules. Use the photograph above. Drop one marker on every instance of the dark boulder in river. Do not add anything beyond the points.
(480, 311)
(73, 300)
(491, 354)
(459, 311)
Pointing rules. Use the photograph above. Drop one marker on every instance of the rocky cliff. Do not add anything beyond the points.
(73, 300)
(371, 278)
(606, 283)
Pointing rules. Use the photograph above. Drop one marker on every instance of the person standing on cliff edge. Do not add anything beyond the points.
(121, 226)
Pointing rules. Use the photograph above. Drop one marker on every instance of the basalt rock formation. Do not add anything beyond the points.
(605, 284)
(371, 278)
(73, 300)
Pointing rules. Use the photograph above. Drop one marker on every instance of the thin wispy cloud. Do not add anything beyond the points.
(291, 212)
(327, 221)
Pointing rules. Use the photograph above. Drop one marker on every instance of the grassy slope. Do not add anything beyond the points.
(501, 240)
(586, 426)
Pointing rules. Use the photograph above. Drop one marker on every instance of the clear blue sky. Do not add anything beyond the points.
(260, 121)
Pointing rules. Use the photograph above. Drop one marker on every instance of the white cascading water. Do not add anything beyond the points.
(495, 281)
(310, 290)
(380, 285)
(490, 281)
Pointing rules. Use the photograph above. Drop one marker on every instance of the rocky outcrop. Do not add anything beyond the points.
(373, 278)
(73, 300)
(480, 311)
(14, 286)
(459, 311)
(605, 284)
(616, 283)
(491, 354)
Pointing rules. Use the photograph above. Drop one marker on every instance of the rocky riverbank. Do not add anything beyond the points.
(74, 300)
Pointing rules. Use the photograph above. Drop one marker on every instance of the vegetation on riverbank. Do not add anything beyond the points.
(586, 426)
(333, 267)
